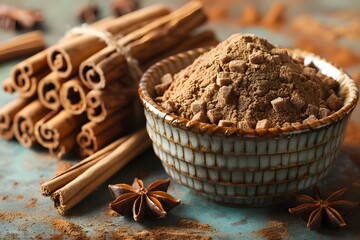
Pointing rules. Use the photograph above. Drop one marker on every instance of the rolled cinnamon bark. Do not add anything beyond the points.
(102, 103)
(78, 189)
(70, 174)
(94, 136)
(22, 45)
(65, 146)
(7, 114)
(73, 96)
(108, 64)
(26, 74)
(25, 120)
(54, 129)
(8, 86)
(203, 39)
(65, 57)
(48, 90)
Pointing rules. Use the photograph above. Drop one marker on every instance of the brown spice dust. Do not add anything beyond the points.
(185, 229)
(275, 230)
(72, 230)
(248, 83)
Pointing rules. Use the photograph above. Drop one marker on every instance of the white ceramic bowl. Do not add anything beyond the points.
(246, 168)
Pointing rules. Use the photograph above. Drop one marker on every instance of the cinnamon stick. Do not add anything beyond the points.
(26, 74)
(73, 96)
(108, 64)
(22, 45)
(70, 174)
(203, 39)
(65, 146)
(55, 128)
(8, 86)
(48, 90)
(102, 103)
(25, 120)
(78, 189)
(94, 136)
(65, 57)
(7, 114)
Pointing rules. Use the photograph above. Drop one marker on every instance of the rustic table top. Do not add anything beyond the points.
(25, 214)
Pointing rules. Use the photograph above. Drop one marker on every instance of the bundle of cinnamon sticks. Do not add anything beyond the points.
(81, 93)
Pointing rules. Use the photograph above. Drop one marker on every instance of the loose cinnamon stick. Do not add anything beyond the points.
(22, 45)
(94, 136)
(73, 96)
(7, 114)
(78, 189)
(102, 103)
(8, 86)
(65, 57)
(26, 74)
(25, 120)
(70, 174)
(54, 128)
(48, 90)
(108, 65)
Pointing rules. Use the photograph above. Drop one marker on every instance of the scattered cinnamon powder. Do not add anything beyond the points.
(19, 197)
(187, 223)
(63, 165)
(275, 230)
(247, 82)
(32, 203)
(185, 229)
(4, 197)
(111, 213)
(9, 216)
(72, 230)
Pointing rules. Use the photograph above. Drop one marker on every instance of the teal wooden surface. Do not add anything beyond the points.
(25, 214)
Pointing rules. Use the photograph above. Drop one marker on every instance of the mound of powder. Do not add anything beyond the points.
(247, 82)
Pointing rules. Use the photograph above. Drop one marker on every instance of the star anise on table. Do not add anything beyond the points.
(19, 18)
(137, 200)
(318, 211)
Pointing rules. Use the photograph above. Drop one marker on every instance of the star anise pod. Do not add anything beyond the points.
(19, 18)
(318, 211)
(138, 200)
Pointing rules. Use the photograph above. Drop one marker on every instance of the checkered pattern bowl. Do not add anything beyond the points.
(251, 167)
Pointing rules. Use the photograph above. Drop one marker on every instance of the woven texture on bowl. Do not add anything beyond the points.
(248, 168)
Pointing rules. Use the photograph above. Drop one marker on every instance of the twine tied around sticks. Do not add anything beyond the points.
(109, 39)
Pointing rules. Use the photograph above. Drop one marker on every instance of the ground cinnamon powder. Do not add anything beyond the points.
(275, 230)
(247, 82)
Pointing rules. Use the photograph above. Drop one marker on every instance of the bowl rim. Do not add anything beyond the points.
(214, 130)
